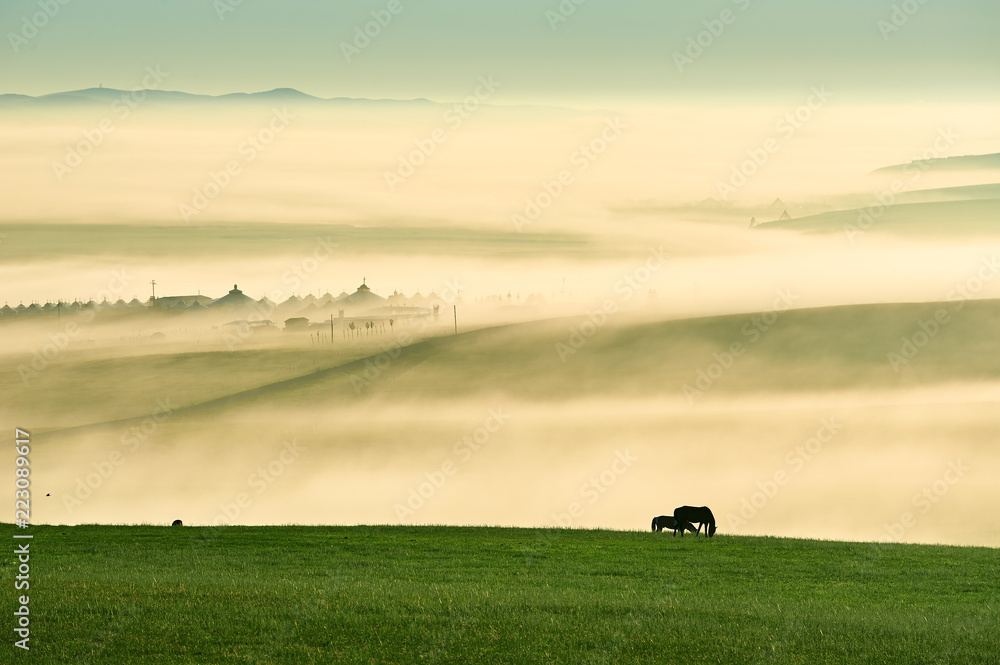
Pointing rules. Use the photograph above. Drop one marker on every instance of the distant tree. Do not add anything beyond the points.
(351, 326)
(391, 323)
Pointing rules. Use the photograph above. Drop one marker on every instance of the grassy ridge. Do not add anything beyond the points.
(834, 348)
(51, 242)
(81, 389)
(938, 218)
(109, 594)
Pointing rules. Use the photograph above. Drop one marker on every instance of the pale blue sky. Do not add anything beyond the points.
(606, 51)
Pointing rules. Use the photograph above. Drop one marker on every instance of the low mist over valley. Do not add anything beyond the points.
(498, 298)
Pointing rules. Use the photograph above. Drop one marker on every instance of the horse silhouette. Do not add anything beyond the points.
(668, 522)
(700, 514)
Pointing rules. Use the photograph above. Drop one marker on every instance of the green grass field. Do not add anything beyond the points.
(116, 594)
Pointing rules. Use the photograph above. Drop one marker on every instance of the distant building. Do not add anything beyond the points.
(251, 325)
(363, 305)
(290, 307)
(171, 302)
(364, 297)
(296, 324)
(232, 300)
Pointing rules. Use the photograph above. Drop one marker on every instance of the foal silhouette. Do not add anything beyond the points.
(668, 522)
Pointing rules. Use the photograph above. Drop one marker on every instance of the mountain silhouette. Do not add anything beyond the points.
(104, 96)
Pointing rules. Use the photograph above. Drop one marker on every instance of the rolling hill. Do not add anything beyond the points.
(958, 163)
(937, 218)
(509, 431)
(104, 96)
(814, 350)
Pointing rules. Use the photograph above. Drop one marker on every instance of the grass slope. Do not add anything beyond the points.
(929, 218)
(834, 348)
(138, 595)
(811, 349)
(957, 163)
(81, 389)
(52, 242)
(962, 193)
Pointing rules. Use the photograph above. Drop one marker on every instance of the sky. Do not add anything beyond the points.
(576, 52)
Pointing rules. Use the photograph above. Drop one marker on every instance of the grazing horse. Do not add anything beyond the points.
(668, 522)
(700, 514)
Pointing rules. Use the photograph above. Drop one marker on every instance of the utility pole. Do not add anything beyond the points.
(153, 283)
(454, 310)
(331, 329)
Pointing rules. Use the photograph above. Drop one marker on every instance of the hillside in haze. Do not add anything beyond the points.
(973, 217)
(842, 349)
(957, 163)
(872, 380)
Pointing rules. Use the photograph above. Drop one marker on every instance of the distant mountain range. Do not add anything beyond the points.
(105, 96)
